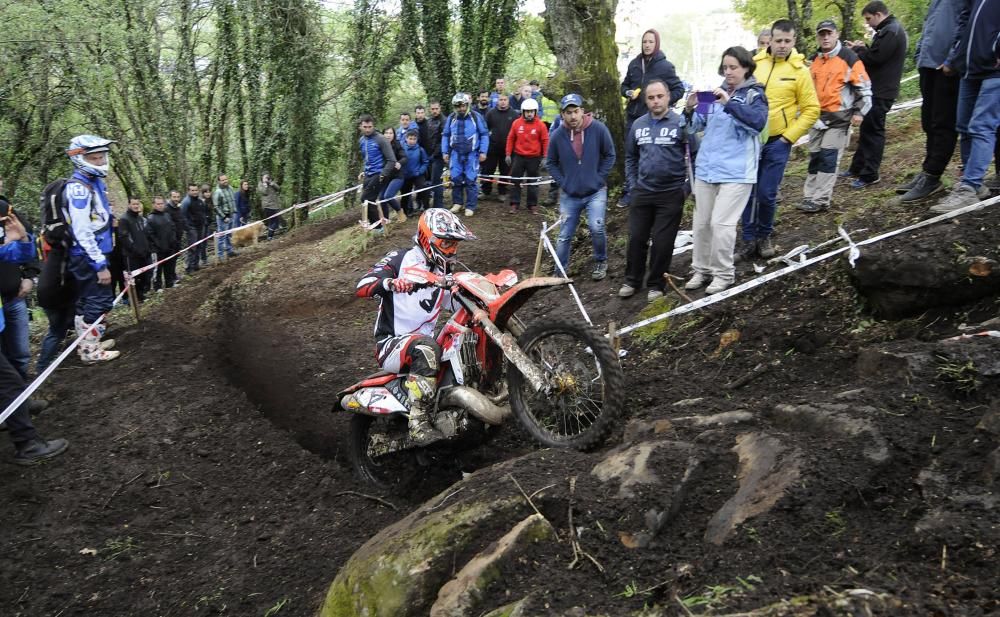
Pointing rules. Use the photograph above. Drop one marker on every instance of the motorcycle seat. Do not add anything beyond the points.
(375, 379)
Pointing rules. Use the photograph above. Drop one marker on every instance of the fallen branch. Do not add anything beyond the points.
(372, 497)
(120, 487)
(680, 603)
(670, 281)
(577, 549)
(757, 371)
(532, 504)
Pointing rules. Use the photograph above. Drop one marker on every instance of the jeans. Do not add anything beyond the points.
(224, 244)
(871, 141)
(570, 209)
(977, 121)
(272, 224)
(60, 322)
(436, 169)
(758, 216)
(937, 118)
(389, 192)
(14, 338)
(198, 253)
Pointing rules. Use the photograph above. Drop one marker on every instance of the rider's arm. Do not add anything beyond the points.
(78, 198)
(376, 281)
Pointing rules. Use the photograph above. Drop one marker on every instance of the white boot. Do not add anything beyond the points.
(90, 349)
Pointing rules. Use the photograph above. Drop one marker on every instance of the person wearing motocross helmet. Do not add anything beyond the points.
(465, 141)
(404, 327)
(88, 212)
(527, 143)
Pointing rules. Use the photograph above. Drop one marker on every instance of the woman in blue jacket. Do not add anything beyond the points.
(727, 166)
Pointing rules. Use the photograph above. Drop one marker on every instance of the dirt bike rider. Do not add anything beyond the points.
(407, 315)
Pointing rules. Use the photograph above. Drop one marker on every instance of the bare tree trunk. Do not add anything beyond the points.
(581, 34)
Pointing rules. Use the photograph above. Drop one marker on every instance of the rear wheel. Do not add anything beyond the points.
(586, 385)
(380, 451)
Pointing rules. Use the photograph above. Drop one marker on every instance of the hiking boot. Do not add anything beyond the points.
(902, 189)
(717, 286)
(653, 294)
(959, 197)
(747, 252)
(924, 186)
(422, 432)
(401, 218)
(39, 449)
(36, 405)
(626, 291)
(993, 182)
(809, 206)
(457, 208)
(860, 184)
(765, 248)
(600, 271)
(697, 281)
(469, 212)
(845, 174)
(533, 209)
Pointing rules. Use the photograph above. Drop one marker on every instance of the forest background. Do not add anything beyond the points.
(194, 88)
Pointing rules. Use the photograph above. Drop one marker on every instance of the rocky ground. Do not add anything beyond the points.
(815, 446)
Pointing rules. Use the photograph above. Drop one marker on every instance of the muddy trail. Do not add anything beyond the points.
(208, 474)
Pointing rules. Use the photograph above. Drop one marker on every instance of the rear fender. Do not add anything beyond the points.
(377, 400)
(514, 298)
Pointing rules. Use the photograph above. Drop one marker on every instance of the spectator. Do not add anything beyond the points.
(884, 62)
(394, 178)
(160, 229)
(521, 95)
(650, 64)
(763, 40)
(270, 201)
(536, 93)
(16, 283)
(792, 109)
(498, 121)
(465, 141)
(19, 247)
(580, 157)
(91, 221)
(845, 96)
(435, 126)
(133, 236)
(195, 212)
(499, 87)
(976, 57)
(405, 124)
(224, 206)
(206, 198)
(526, 144)
(656, 172)
(414, 173)
(483, 102)
(940, 99)
(727, 167)
(378, 161)
(243, 204)
(177, 216)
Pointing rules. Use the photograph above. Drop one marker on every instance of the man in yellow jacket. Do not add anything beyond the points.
(793, 109)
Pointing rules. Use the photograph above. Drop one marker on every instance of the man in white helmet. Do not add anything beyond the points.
(88, 212)
(465, 141)
(527, 143)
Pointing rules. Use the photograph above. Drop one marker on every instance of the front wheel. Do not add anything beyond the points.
(380, 453)
(586, 385)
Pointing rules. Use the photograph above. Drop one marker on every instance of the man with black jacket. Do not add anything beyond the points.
(435, 126)
(498, 121)
(132, 230)
(195, 212)
(177, 216)
(883, 60)
(160, 230)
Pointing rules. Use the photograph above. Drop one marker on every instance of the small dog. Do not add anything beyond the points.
(248, 236)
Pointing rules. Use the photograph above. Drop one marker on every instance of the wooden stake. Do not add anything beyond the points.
(133, 299)
(538, 259)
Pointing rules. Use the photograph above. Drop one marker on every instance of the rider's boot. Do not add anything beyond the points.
(421, 392)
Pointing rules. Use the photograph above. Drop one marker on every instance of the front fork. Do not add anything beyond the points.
(508, 345)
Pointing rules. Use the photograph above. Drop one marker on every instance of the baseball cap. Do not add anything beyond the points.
(826, 24)
(570, 99)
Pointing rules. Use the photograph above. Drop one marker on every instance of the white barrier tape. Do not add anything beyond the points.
(853, 252)
(757, 282)
(28, 391)
(910, 78)
(395, 197)
(898, 107)
(572, 288)
(500, 177)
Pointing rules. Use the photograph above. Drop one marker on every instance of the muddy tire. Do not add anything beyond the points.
(587, 385)
(372, 456)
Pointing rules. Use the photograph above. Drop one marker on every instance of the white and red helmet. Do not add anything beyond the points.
(438, 234)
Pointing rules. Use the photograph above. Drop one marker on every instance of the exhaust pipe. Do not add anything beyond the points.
(475, 402)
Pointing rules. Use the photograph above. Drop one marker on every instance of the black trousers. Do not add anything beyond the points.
(11, 385)
(422, 199)
(166, 272)
(495, 159)
(656, 216)
(937, 118)
(871, 141)
(370, 191)
(524, 166)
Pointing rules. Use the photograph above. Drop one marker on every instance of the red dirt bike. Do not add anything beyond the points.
(562, 379)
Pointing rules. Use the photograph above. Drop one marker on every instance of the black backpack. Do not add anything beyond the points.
(55, 228)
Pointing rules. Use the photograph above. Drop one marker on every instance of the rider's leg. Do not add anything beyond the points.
(419, 356)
